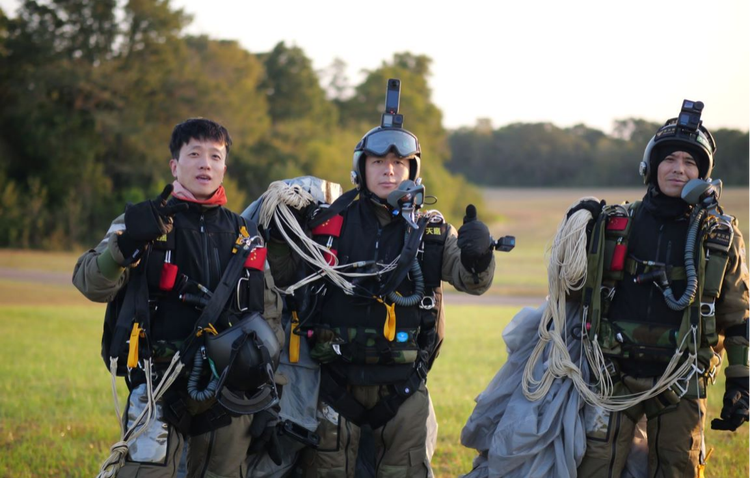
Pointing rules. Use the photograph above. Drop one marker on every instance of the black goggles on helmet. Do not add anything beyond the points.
(381, 142)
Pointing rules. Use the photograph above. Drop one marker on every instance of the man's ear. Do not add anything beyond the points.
(173, 167)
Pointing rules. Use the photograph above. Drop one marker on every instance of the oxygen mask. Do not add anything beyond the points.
(406, 200)
(702, 192)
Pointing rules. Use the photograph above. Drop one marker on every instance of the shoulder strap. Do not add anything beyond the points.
(409, 252)
(341, 203)
(218, 300)
(134, 309)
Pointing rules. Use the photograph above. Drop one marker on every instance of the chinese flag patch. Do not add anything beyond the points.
(256, 259)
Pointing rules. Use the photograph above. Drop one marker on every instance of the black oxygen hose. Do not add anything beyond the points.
(195, 375)
(416, 297)
(692, 277)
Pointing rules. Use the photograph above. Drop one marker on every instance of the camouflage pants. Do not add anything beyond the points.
(674, 439)
(400, 444)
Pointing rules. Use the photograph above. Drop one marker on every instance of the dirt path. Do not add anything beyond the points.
(30, 275)
(458, 298)
(451, 297)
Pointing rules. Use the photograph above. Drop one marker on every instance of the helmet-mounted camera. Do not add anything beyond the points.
(390, 117)
(685, 132)
(690, 115)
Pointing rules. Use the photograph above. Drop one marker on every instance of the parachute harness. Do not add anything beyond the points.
(567, 272)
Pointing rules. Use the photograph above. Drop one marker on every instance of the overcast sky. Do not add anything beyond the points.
(567, 62)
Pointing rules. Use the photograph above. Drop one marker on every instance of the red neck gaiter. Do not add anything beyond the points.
(219, 197)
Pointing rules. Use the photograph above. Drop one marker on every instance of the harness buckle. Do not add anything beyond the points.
(680, 386)
(238, 295)
(428, 302)
(711, 373)
(679, 389)
(421, 369)
(708, 309)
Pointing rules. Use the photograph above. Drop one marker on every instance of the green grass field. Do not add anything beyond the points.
(56, 413)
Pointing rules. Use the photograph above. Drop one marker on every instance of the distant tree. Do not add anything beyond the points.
(335, 82)
(293, 89)
(732, 158)
(303, 121)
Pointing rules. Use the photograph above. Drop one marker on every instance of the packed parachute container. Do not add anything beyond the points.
(299, 398)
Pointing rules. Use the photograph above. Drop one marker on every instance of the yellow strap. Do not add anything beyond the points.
(242, 236)
(208, 329)
(133, 350)
(389, 329)
(294, 339)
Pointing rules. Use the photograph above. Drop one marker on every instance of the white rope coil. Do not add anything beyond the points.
(275, 207)
(567, 272)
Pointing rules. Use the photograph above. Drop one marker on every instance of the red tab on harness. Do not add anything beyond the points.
(168, 276)
(618, 257)
(256, 259)
(331, 227)
(617, 223)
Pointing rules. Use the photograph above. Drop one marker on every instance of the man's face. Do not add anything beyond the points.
(200, 167)
(384, 174)
(674, 171)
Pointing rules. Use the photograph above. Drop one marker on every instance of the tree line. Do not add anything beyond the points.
(542, 154)
(90, 91)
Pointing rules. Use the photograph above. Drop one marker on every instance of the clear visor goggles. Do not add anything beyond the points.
(380, 143)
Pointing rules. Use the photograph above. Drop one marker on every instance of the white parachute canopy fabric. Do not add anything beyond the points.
(519, 438)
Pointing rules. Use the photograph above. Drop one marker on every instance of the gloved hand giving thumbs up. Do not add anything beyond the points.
(146, 221)
(474, 242)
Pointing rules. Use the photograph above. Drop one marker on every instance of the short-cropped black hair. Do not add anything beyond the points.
(198, 128)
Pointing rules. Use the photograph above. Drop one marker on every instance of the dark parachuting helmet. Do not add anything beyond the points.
(246, 356)
(684, 133)
(379, 142)
(389, 137)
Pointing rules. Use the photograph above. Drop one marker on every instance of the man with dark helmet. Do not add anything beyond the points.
(186, 285)
(376, 340)
(682, 283)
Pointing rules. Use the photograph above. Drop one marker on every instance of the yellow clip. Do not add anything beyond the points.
(133, 350)
(243, 235)
(294, 339)
(389, 329)
(211, 329)
(702, 466)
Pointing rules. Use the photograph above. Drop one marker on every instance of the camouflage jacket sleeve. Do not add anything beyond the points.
(732, 304)
(455, 273)
(98, 273)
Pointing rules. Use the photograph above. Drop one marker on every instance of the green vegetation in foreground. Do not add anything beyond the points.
(57, 416)
(56, 412)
